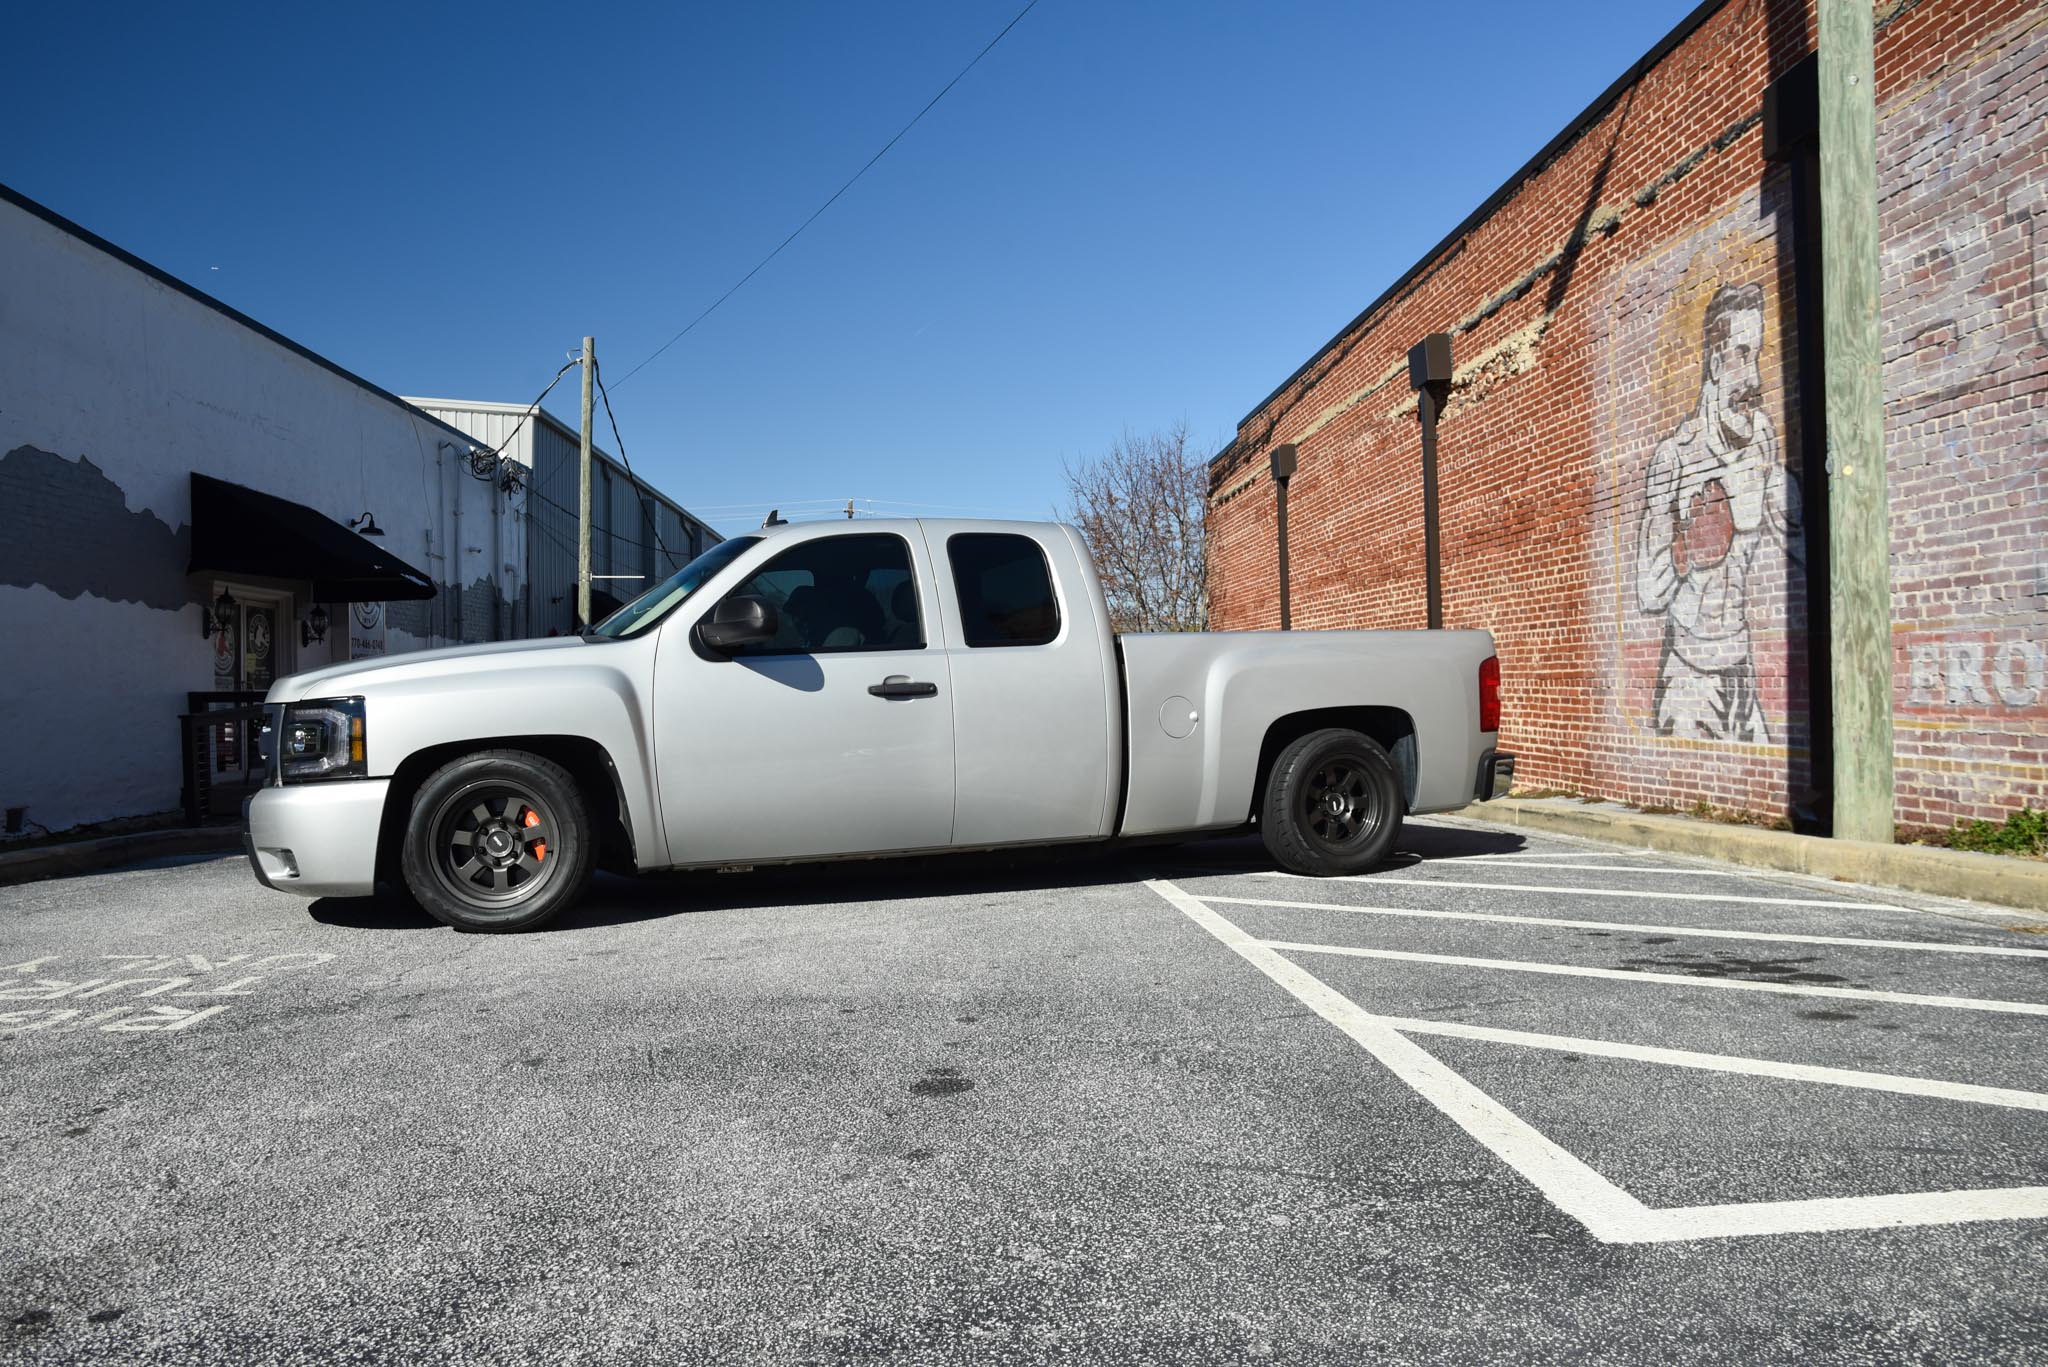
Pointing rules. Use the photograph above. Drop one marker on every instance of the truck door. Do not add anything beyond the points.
(1032, 698)
(835, 737)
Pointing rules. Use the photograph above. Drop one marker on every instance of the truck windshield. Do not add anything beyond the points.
(665, 597)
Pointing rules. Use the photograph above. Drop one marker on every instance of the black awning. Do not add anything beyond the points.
(237, 530)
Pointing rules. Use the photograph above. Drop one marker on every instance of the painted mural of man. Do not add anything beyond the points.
(1717, 496)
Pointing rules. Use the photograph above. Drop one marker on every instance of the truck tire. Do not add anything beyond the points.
(1333, 804)
(498, 840)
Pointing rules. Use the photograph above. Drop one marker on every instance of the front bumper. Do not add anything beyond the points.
(1496, 776)
(317, 839)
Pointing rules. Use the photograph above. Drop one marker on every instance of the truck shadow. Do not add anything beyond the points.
(615, 900)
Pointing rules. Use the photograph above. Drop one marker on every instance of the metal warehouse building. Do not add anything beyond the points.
(637, 534)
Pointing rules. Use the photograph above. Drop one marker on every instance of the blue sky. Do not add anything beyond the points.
(1129, 214)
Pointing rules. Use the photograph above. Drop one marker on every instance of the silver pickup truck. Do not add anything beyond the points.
(848, 689)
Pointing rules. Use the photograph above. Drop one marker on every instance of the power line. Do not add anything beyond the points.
(499, 449)
(646, 506)
(942, 507)
(608, 532)
(687, 327)
(840, 504)
(570, 551)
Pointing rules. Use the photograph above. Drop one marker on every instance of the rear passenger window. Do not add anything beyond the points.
(1005, 589)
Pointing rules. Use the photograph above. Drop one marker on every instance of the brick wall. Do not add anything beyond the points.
(1619, 470)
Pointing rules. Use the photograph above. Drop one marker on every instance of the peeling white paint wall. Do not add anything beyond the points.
(102, 362)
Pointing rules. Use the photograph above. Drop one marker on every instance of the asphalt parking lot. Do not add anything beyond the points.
(1510, 1098)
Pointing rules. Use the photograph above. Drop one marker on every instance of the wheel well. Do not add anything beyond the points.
(1390, 726)
(587, 762)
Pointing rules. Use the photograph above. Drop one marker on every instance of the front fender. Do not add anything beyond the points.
(600, 697)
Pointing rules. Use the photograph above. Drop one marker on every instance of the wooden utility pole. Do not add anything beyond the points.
(1859, 523)
(583, 489)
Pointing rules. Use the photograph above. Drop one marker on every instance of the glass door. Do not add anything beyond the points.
(250, 650)
(262, 642)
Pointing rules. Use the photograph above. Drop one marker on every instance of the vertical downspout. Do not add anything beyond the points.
(1429, 372)
(455, 551)
(500, 600)
(1283, 465)
(1791, 137)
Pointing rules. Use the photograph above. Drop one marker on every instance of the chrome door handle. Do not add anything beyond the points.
(901, 686)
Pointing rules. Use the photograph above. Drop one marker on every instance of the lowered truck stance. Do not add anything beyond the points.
(846, 689)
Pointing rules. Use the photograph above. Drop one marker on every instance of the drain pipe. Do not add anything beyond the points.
(1283, 471)
(498, 595)
(1791, 137)
(455, 549)
(1429, 371)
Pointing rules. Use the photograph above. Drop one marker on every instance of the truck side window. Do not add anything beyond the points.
(1005, 589)
(840, 593)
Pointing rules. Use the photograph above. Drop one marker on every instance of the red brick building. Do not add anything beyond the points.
(1625, 485)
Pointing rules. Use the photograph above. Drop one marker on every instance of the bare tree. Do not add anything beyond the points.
(1142, 508)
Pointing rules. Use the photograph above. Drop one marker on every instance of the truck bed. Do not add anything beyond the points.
(1201, 708)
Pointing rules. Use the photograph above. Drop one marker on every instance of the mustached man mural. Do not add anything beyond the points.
(1716, 499)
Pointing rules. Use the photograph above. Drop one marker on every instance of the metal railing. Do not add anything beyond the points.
(218, 753)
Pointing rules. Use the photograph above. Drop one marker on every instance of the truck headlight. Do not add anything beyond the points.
(323, 739)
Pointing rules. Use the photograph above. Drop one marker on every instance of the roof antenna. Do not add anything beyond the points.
(776, 519)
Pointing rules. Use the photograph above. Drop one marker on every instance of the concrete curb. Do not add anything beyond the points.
(1994, 878)
(108, 852)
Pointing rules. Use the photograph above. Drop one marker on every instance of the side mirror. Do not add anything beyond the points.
(739, 621)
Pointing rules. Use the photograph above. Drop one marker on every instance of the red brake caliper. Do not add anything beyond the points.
(540, 849)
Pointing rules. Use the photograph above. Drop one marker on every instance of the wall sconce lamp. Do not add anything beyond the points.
(365, 525)
(221, 617)
(314, 628)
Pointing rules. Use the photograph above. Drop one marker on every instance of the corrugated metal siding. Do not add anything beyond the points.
(488, 428)
(625, 534)
(675, 539)
(620, 541)
(485, 617)
(551, 552)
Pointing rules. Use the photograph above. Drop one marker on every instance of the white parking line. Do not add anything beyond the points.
(1605, 1209)
(1608, 1213)
(1631, 975)
(1731, 1063)
(1381, 878)
(1713, 932)
(1553, 854)
(1673, 869)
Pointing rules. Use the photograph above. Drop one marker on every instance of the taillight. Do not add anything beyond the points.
(1489, 694)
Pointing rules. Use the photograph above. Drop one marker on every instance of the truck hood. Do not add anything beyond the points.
(357, 676)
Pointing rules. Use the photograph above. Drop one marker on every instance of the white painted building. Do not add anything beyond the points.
(159, 449)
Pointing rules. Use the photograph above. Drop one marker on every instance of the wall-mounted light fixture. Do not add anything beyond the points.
(221, 617)
(314, 628)
(365, 525)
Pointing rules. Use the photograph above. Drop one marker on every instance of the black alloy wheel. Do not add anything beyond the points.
(498, 840)
(491, 844)
(1339, 805)
(1333, 804)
